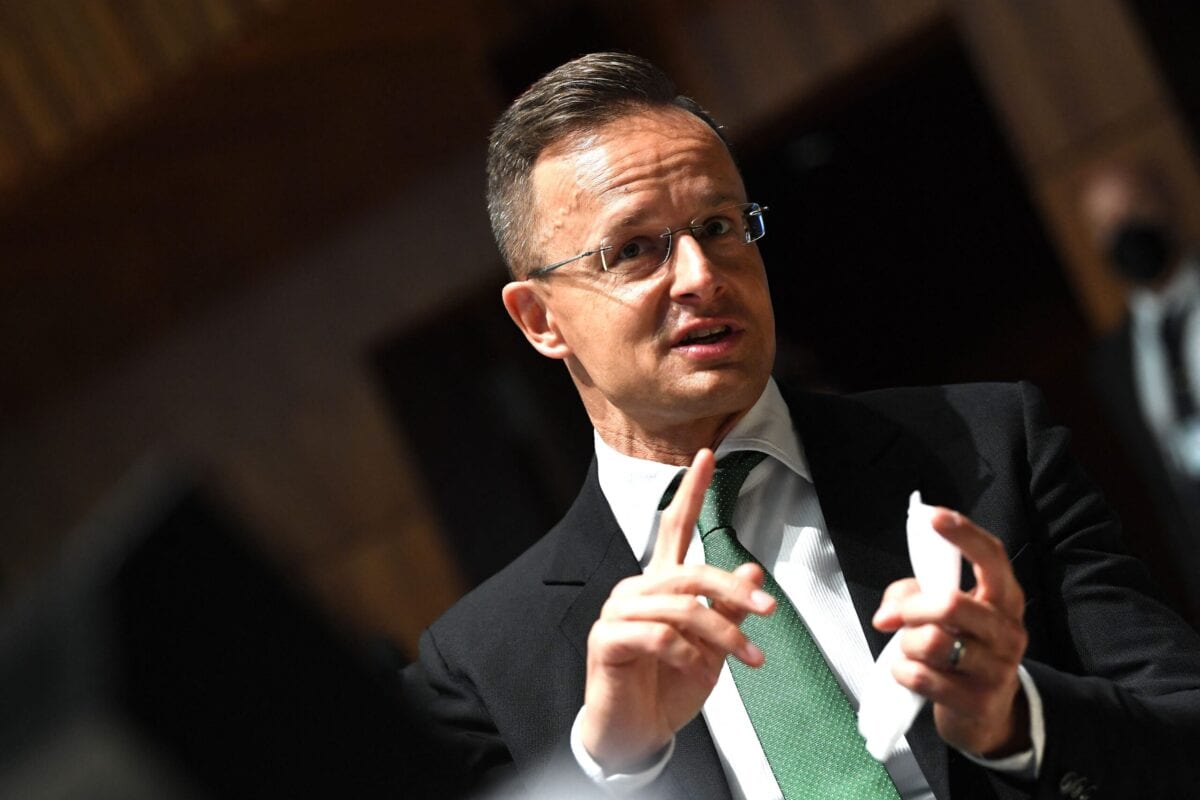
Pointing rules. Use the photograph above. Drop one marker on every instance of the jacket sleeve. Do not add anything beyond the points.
(464, 733)
(457, 721)
(1122, 701)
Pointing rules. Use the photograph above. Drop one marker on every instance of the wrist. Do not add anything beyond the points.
(619, 753)
(615, 784)
(1018, 738)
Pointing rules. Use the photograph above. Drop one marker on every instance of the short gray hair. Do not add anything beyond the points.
(577, 97)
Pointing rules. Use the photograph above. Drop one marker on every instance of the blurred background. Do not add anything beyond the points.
(251, 233)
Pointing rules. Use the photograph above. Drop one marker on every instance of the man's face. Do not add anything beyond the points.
(694, 340)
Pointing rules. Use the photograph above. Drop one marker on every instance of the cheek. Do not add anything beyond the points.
(616, 323)
(597, 328)
(644, 306)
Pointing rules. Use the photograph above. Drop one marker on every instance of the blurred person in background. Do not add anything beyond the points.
(704, 619)
(1148, 369)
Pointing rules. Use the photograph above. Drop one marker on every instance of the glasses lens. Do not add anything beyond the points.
(643, 254)
(755, 228)
(637, 255)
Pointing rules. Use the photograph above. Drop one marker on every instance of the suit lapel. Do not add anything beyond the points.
(594, 555)
(864, 468)
(863, 476)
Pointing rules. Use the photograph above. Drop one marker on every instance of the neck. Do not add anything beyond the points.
(669, 443)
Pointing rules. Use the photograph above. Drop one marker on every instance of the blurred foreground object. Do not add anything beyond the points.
(1148, 370)
(165, 659)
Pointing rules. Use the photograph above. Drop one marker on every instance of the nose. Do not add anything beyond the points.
(695, 278)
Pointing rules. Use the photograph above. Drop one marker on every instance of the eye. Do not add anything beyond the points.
(636, 254)
(634, 248)
(716, 226)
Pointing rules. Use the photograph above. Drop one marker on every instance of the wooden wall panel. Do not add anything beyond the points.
(1075, 85)
(68, 68)
(273, 391)
(749, 61)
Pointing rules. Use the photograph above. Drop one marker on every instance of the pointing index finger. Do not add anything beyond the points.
(678, 520)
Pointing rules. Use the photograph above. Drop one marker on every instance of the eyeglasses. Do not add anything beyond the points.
(640, 255)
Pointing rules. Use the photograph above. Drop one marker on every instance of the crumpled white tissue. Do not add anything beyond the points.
(888, 709)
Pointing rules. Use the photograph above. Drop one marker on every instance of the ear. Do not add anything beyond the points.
(529, 311)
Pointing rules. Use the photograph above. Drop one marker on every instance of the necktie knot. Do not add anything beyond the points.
(722, 493)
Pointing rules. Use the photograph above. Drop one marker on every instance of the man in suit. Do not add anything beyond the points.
(613, 655)
(1148, 369)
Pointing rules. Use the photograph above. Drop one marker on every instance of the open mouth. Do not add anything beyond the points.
(706, 336)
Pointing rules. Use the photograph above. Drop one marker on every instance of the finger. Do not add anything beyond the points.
(678, 520)
(695, 621)
(962, 615)
(752, 572)
(953, 690)
(934, 646)
(993, 572)
(619, 642)
(965, 694)
(733, 590)
(887, 616)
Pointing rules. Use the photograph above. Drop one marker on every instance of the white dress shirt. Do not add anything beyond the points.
(779, 520)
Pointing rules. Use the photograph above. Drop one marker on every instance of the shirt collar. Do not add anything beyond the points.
(635, 486)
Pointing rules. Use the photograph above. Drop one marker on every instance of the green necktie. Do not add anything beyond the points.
(804, 721)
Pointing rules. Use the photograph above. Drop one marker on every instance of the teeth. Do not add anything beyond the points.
(700, 334)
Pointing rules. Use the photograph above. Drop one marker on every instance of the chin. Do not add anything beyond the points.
(720, 393)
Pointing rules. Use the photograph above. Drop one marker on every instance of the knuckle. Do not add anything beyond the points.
(954, 604)
(732, 637)
(661, 637)
(935, 641)
(917, 642)
(912, 646)
(684, 604)
(692, 661)
(598, 636)
(609, 609)
(921, 680)
(626, 587)
(734, 586)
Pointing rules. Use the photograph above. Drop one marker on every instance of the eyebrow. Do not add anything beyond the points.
(710, 200)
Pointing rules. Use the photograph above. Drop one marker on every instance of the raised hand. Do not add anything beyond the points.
(978, 703)
(656, 651)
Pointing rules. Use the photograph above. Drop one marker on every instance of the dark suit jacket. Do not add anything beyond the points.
(503, 671)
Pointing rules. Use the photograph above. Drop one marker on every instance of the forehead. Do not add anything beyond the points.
(647, 163)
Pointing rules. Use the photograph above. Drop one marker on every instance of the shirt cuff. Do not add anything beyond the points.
(1027, 764)
(617, 784)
